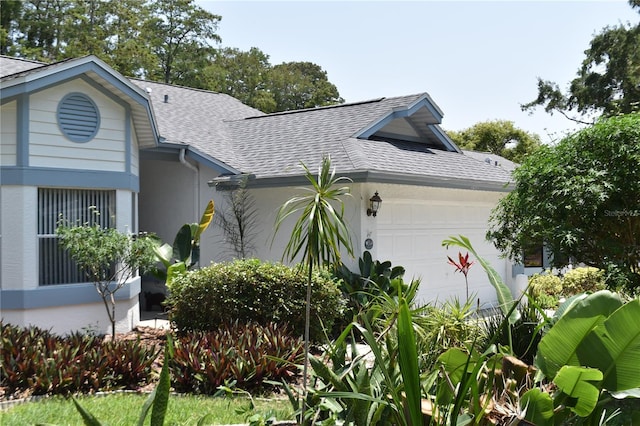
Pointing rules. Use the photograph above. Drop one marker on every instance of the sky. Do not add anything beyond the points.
(478, 60)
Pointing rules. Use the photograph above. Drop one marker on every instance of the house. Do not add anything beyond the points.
(150, 155)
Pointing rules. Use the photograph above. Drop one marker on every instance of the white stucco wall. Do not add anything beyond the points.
(408, 231)
(269, 200)
(85, 317)
(8, 134)
(48, 147)
(19, 250)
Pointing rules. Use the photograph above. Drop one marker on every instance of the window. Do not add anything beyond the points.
(55, 267)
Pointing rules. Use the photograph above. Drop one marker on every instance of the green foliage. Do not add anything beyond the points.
(442, 327)
(546, 289)
(497, 137)
(607, 80)
(505, 298)
(578, 197)
(365, 287)
(247, 355)
(249, 290)
(185, 252)
(592, 351)
(525, 334)
(44, 363)
(582, 280)
(108, 257)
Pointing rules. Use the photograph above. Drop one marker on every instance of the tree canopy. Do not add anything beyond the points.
(498, 137)
(580, 198)
(608, 81)
(173, 41)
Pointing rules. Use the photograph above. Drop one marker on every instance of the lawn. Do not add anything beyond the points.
(124, 409)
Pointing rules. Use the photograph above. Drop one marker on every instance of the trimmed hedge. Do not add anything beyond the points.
(583, 279)
(249, 290)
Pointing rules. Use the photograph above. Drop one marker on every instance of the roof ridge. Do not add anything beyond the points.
(178, 86)
(16, 58)
(296, 111)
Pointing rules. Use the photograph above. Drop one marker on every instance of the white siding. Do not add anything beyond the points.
(135, 157)
(48, 147)
(8, 136)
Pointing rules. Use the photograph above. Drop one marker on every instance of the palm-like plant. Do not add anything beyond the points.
(320, 231)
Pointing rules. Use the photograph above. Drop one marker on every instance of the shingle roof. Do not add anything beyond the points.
(197, 118)
(10, 65)
(273, 145)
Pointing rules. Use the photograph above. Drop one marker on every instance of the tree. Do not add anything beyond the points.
(242, 75)
(579, 198)
(9, 14)
(299, 85)
(498, 137)
(319, 233)
(608, 80)
(179, 33)
(108, 257)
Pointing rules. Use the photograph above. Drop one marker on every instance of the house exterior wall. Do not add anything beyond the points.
(408, 231)
(35, 154)
(48, 147)
(8, 134)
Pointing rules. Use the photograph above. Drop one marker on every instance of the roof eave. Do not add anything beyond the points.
(384, 177)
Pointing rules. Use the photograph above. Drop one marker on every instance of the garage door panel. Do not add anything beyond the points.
(412, 235)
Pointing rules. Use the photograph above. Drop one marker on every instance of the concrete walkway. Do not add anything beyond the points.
(154, 319)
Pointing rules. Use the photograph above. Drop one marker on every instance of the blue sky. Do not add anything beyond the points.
(478, 60)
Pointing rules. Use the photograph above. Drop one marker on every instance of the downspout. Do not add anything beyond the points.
(196, 186)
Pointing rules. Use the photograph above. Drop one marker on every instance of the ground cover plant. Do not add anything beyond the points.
(38, 362)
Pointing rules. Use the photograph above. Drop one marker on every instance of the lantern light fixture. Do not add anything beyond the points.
(374, 205)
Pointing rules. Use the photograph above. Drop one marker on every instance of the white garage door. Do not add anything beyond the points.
(410, 234)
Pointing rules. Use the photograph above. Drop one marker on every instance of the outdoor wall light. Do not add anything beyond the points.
(374, 205)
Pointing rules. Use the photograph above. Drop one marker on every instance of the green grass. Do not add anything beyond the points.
(124, 409)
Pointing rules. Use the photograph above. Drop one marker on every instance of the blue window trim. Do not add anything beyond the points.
(64, 128)
(68, 178)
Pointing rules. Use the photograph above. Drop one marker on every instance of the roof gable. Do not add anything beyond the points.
(32, 77)
(416, 122)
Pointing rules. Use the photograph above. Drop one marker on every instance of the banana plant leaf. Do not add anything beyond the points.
(581, 385)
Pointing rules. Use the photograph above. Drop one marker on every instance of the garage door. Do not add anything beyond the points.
(410, 234)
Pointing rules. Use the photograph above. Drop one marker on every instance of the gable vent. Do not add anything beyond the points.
(78, 117)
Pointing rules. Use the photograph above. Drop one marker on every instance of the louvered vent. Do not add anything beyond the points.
(78, 117)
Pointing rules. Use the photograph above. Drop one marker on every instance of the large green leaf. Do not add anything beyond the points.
(614, 348)
(205, 221)
(538, 406)
(505, 298)
(578, 383)
(182, 243)
(559, 346)
(408, 361)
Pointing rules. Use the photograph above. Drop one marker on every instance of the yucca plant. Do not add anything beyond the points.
(320, 231)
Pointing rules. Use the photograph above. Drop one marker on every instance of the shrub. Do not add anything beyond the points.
(580, 280)
(244, 354)
(249, 290)
(545, 289)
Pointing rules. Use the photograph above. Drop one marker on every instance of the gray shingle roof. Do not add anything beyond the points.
(10, 65)
(273, 145)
